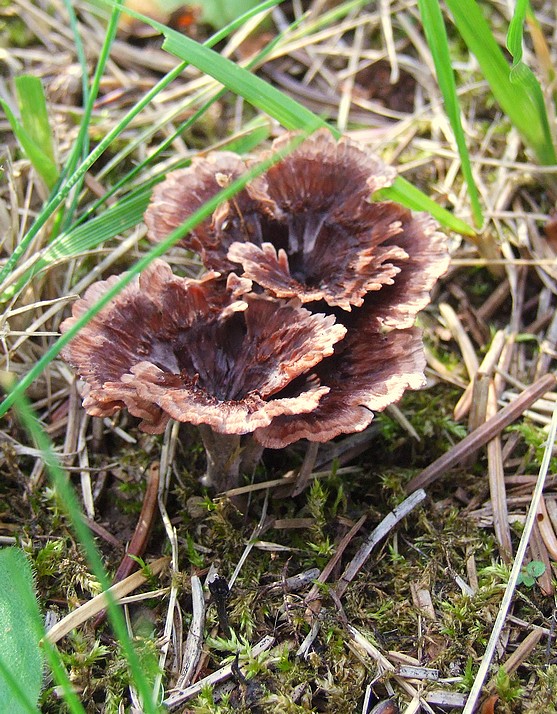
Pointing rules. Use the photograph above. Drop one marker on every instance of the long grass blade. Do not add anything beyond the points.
(21, 629)
(43, 164)
(521, 75)
(64, 190)
(56, 664)
(34, 113)
(402, 191)
(436, 36)
(288, 112)
(71, 504)
(81, 146)
(128, 212)
(11, 690)
(515, 97)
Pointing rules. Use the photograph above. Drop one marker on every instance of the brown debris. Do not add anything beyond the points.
(483, 434)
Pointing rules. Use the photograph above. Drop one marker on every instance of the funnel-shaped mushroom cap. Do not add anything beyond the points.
(243, 361)
(199, 351)
(306, 229)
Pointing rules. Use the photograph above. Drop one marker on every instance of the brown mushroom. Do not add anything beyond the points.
(234, 357)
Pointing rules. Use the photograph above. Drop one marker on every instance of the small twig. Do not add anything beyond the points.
(513, 662)
(309, 639)
(167, 459)
(546, 529)
(461, 336)
(306, 468)
(496, 477)
(142, 531)
(328, 569)
(254, 536)
(483, 434)
(194, 640)
(385, 665)
(287, 480)
(385, 527)
(103, 533)
(292, 584)
(86, 489)
(138, 543)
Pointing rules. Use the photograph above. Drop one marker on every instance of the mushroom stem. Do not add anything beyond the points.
(228, 456)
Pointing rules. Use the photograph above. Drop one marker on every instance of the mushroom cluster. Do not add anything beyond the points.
(303, 325)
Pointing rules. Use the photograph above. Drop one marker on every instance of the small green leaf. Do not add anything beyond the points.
(436, 36)
(525, 579)
(21, 662)
(43, 165)
(517, 98)
(535, 568)
(530, 572)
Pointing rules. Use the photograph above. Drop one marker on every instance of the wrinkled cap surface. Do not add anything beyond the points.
(199, 351)
(370, 369)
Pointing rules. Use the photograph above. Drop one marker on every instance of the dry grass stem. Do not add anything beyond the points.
(98, 603)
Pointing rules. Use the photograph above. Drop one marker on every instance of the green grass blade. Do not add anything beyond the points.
(88, 232)
(290, 113)
(13, 698)
(521, 75)
(76, 176)
(81, 146)
(125, 214)
(436, 36)
(515, 33)
(516, 99)
(287, 111)
(42, 163)
(402, 191)
(21, 629)
(34, 113)
(71, 505)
